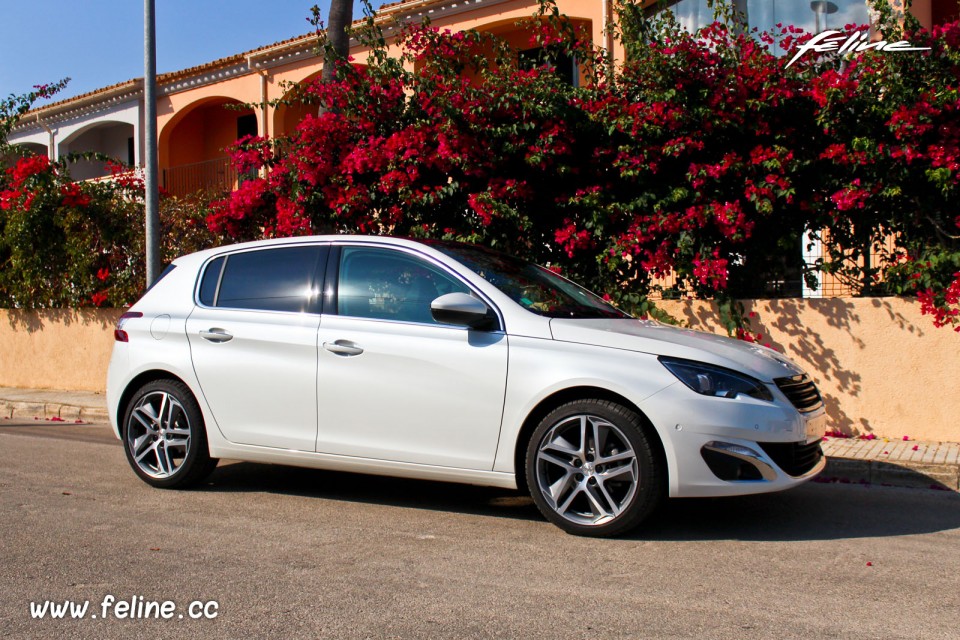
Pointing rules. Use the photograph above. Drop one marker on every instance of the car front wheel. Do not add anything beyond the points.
(164, 436)
(592, 470)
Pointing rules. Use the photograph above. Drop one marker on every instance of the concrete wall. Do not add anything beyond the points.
(881, 366)
(56, 348)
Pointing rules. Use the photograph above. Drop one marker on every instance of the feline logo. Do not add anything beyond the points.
(854, 43)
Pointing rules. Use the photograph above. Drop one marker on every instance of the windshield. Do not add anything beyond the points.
(531, 286)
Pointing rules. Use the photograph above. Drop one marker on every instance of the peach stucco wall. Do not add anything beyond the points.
(184, 139)
(881, 366)
(56, 348)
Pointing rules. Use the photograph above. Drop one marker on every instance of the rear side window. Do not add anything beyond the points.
(283, 279)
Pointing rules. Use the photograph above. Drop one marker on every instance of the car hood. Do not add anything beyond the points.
(652, 337)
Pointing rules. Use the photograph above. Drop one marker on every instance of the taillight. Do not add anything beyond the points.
(119, 334)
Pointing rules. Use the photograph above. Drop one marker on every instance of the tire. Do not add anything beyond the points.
(164, 436)
(588, 492)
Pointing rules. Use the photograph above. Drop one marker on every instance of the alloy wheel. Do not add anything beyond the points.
(586, 470)
(158, 434)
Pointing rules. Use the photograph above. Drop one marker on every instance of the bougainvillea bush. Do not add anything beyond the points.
(700, 162)
(891, 167)
(61, 243)
(694, 168)
(72, 244)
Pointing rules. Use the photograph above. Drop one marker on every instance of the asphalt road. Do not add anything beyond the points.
(305, 554)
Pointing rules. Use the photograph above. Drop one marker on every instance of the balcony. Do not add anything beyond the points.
(210, 177)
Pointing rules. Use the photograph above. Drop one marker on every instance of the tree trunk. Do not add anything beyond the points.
(341, 17)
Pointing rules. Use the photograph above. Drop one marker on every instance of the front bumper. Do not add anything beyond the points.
(725, 447)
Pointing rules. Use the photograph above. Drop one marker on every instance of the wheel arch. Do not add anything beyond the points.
(142, 378)
(571, 394)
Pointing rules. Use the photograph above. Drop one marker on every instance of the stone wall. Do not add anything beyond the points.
(56, 348)
(881, 366)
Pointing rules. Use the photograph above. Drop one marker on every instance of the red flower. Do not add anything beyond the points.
(73, 196)
(27, 167)
(570, 239)
(8, 199)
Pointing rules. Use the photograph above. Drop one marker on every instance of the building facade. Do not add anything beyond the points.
(200, 109)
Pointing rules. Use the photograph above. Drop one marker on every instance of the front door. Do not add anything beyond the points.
(395, 385)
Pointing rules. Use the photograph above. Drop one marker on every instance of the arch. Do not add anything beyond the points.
(192, 145)
(29, 148)
(21, 150)
(286, 117)
(517, 36)
(112, 138)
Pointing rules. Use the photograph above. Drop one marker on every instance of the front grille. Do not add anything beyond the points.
(801, 392)
(795, 458)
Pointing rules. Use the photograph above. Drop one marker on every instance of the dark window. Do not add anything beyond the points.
(131, 156)
(564, 65)
(247, 125)
(390, 285)
(285, 279)
(208, 285)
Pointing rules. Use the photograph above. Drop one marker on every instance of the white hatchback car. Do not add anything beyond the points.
(452, 362)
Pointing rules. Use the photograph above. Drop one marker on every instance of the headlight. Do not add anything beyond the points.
(714, 381)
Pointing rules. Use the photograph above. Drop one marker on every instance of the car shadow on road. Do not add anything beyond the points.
(368, 489)
(808, 513)
(812, 512)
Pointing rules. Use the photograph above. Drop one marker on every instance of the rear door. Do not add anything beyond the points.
(253, 339)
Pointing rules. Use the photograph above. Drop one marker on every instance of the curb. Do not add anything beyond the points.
(67, 412)
(913, 475)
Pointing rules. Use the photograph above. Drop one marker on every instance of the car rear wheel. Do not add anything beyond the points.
(164, 436)
(592, 470)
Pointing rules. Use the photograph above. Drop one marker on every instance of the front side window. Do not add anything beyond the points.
(284, 279)
(390, 285)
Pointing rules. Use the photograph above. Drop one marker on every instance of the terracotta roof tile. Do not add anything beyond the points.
(89, 94)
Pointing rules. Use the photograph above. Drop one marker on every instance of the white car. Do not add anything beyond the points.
(452, 362)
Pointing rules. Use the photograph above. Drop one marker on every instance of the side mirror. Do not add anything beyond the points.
(462, 310)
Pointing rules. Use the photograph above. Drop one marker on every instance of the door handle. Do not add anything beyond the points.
(216, 335)
(343, 348)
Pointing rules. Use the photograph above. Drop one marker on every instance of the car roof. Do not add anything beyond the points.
(279, 242)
